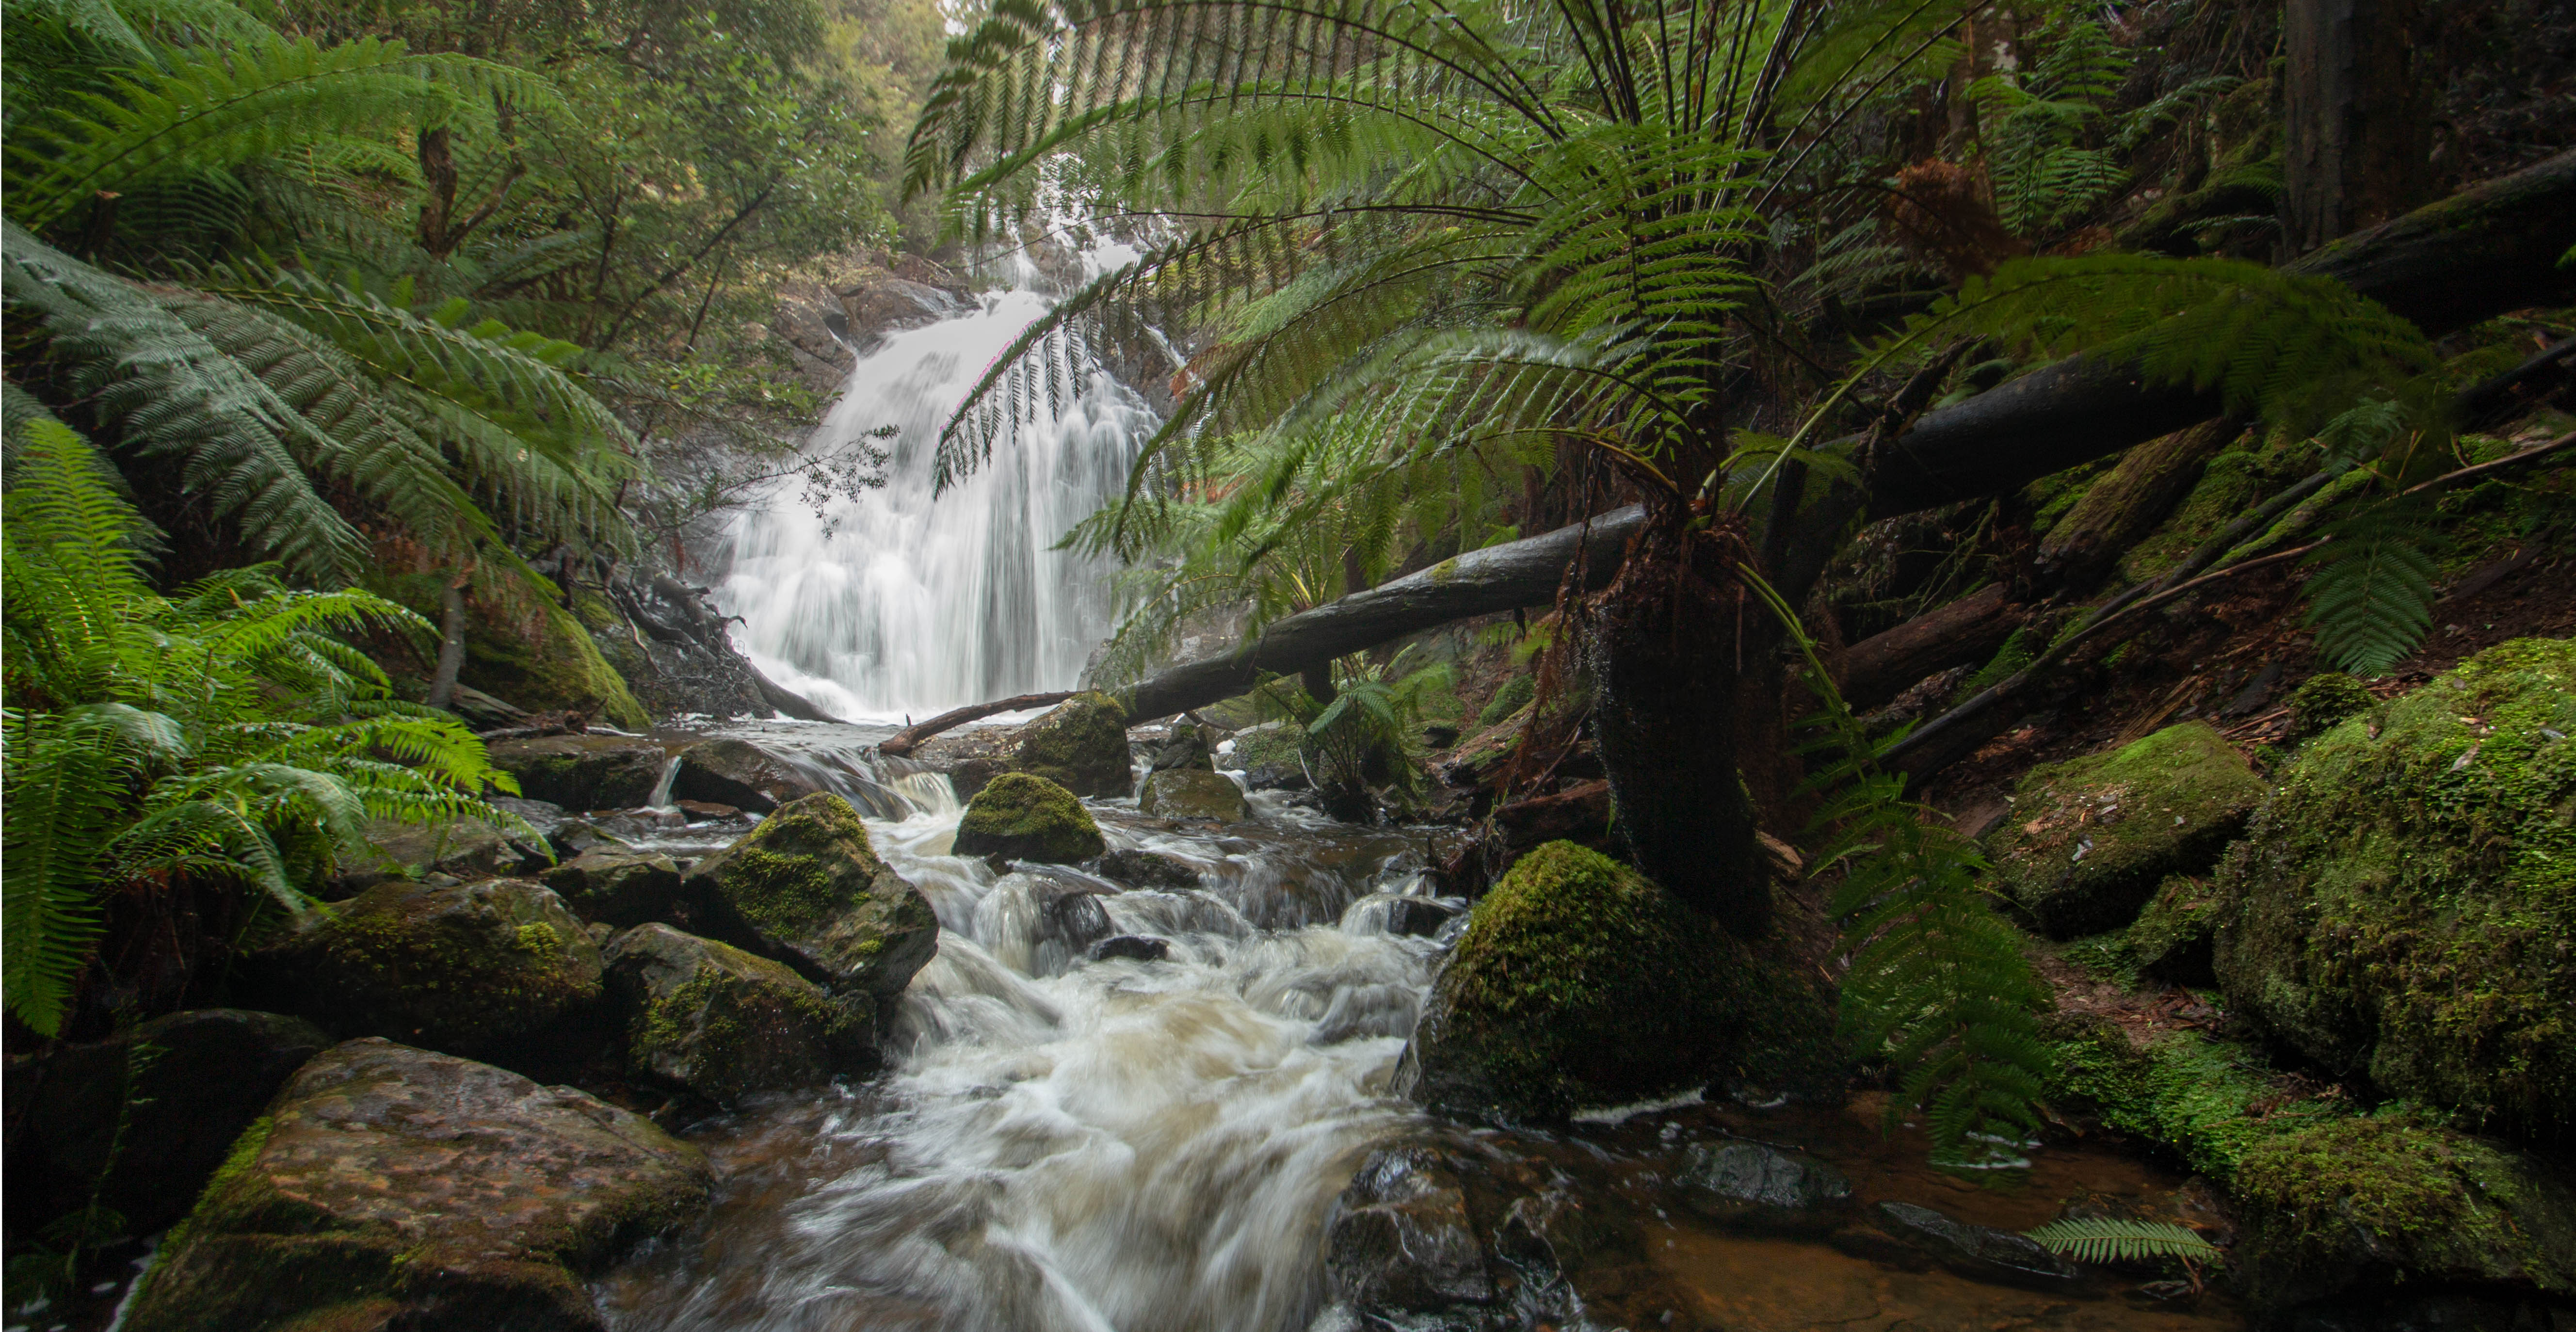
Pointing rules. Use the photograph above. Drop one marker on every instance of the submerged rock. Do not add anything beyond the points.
(2405, 908)
(806, 888)
(1080, 745)
(1752, 1187)
(1135, 947)
(583, 771)
(487, 970)
(1979, 1252)
(184, 1086)
(395, 1188)
(725, 1024)
(1147, 869)
(1579, 982)
(740, 774)
(1399, 1239)
(2089, 839)
(618, 888)
(1020, 816)
(1192, 793)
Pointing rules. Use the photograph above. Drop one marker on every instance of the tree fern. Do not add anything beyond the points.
(2370, 588)
(2108, 1240)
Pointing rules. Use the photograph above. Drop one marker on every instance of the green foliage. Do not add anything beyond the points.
(225, 733)
(2370, 588)
(1938, 987)
(2109, 1240)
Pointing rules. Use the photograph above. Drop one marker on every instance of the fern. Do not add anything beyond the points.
(2105, 1240)
(2370, 589)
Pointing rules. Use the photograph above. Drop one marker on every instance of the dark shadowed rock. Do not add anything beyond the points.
(1188, 748)
(1080, 745)
(392, 1188)
(464, 848)
(1752, 1187)
(583, 771)
(725, 1024)
(618, 888)
(1192, 793)
(1398, 1239)
(740, 774)
(186, 1083)
(1148, 869)
(806, 888)
(1980, 1252)
(1021, 816)
(1135, 947)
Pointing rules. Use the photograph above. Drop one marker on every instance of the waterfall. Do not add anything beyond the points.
(896, 602)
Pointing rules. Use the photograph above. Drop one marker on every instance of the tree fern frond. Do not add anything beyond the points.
(2370, 589)
(2108, 1240)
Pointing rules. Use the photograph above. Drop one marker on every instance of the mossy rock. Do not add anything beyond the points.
(582, 771)
(465, 848)
(390, 1187)
(725, 1024)
(2207, 1102)
(1022, 816)
(526, 650)
(2089, 839)
(618, 888)
(1080, 745)
(2405, 908)
(2171, 939)
(488, 970)
(1190, 793)
(1515, 695)
(2363, 1207)
(2324, 699)
(1271, 758)
(806, 888)
(1580, 983)
(740, 774)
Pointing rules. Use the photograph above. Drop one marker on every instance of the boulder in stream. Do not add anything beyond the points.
(583, 771)
(1982, 1253)
(725, 1024)
(618, 888)
(393, 1188)
(1022, 816)
(1149, 869)
(1133, 947)
(464, 848)
(1192, 793)
(740, 774)
(2089, 839)
(1748, 1186)
(490, 970)
(1080, 745)
(2404, 909)
(806, 888)
(1399, 1239)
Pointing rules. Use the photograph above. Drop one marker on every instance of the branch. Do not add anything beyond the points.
(908, 739)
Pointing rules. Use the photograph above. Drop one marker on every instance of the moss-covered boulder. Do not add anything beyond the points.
(725, 1024)
(488, 970)
(806, 888)
(1192, 793)
(465, 848)
(1022, 816)
(2171, 939)
(1581, 983)
(618, 888)
(2324, 699)
(582, 771)
(2405, 908)
(740, 774)
(1080, 745)
(2089, 839)
(390, 1187)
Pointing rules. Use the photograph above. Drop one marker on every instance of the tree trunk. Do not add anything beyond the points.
(2360, 119)
(451, 642)
(1965, 632)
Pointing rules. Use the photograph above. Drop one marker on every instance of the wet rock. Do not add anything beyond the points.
(618, 888)
(1020, 816)
(806, 888)
(707, 809)
(1135, 947)
(488, 970)
(740, 774)
(2401, 910)
(725, 1024)
(1080, 745)
(1979, 1252)
(1398, 1239)
(583, 771)
(2353, 1209)
(882, 303)
(2437, 1311)
(1552, 1231)
(1752, 1187)
(1147, 869)
(1186, 750)
(1071, 917)
(464, 848)
(185, 1085)
(1421, 917)
(1578, 982)
(2088, 840)
(1269, 757)
(578, 837)
(1192, 793)
(395, 1188)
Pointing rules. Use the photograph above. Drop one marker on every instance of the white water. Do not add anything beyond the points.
(1075, 1146)
(897, 602)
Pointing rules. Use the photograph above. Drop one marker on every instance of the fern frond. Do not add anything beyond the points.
(2107, 1240)
(2370, 589)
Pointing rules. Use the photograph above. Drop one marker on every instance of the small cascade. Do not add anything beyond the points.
(661, 797)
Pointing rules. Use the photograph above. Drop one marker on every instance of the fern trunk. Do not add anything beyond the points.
(451, 643)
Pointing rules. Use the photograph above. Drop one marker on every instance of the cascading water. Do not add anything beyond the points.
(898, 601)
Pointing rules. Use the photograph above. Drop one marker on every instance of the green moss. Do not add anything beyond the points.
(2229, 484)
(1515, 695)
(742, 1024)
(805, 866)
(2405, 909)
(529, 651)
(1023, 816)
(2326, 698)
(463, 969)
(1081, 745)
(542, 941)
(2206, 1101)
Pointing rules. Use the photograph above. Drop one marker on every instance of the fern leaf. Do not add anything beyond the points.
(2107, 1240)
(2370, 590)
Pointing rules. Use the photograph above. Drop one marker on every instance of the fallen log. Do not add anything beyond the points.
(1963, 633)
(908, 739)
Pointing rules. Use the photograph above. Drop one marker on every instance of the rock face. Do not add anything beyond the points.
(1578, 982)
(1080, 745)
(1748, 1186)
(618, 888)
(806, 888)
(1188, 748)
(1192, 793)
(725, 1024)
(740, 774)
(200, 1077)
(1981, 1252)
(485, 970)
(2405, 908)
(394, 1188)
(1021, 816)
(2088, 840)
(583, 771)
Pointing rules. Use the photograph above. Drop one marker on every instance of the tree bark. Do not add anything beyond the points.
(905, 741)
(2359, 120)
(451, 642)
(1962, 633)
